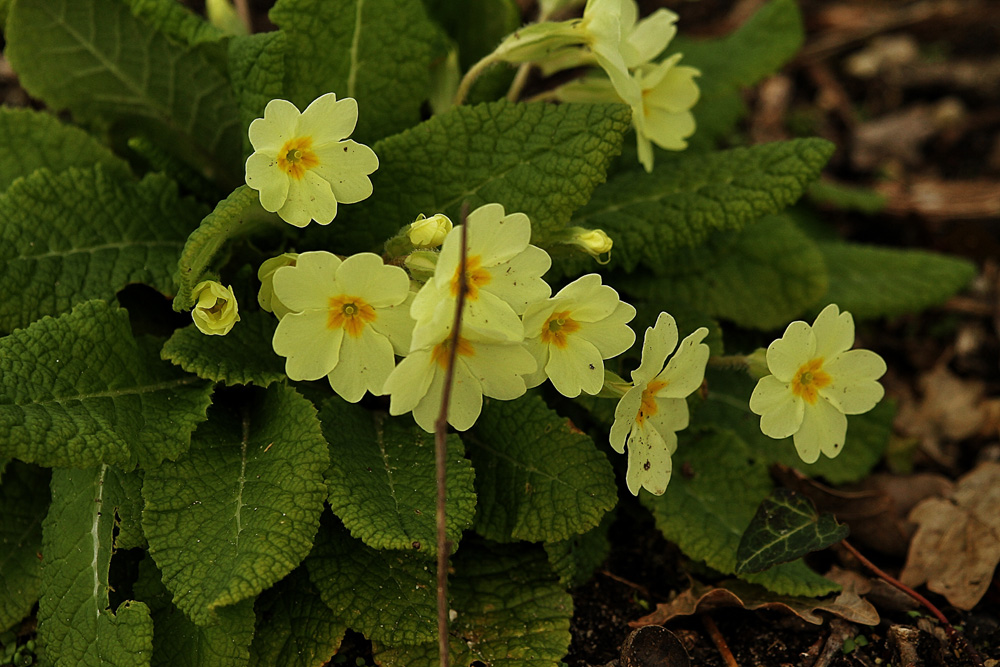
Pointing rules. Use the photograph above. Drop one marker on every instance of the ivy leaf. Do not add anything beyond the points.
(785, 527)
(376, 51)
(243, 356)
(101, 233)
(79, 390)
(388, 595)
(540, 159)
(177, 642)
(294, 627)
(257, 70)
(575, 559)
(24, 499)
(538, 477)
(382, 479)
(759, 278)
(33, 140)
(870, 281)
(706, 511)
(680, 204)
(240, 511)
(94, 58)
(74, 622)
(511, 612)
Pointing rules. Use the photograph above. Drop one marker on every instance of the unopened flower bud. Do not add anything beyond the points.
(215, 310)
(265, 274)
(429, 232)
(594, 242)
(421, 264)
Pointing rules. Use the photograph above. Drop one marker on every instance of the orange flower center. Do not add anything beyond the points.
(648, 406)
(440, 353)
(475, 277)
(349, 313)
(809, 379)
(557, 327)
(296, 157)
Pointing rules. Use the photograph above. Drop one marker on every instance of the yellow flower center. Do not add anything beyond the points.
(648, 406)
(349, 313)
(557, 327)
(296, 157)
(809, 379)
(440, 353)
(475, 277)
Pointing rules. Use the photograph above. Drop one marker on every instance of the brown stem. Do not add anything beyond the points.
(243, 10)
(719, 641)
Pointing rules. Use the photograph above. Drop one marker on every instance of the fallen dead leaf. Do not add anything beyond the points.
(956, 546)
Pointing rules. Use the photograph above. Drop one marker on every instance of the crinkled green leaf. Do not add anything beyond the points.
(31, 140)
(294, 627)
(707, 510)
(257, 69)
(576, 558)
(511, 612)
(388, 595)
(176, 21)
(96, 59)
(101, 233)
(477, 27)
(540, 159)
(846, 197)
(239, 512)
(243, 356)
(178, 642)
(680, 204)
(127, 489)
(79, 390)
(75, 626)
(237, 214)
(760, 278)
(24, 500)
(382, 479)
(538, 478)
(786, 526)
(870, 281)
(376, 51)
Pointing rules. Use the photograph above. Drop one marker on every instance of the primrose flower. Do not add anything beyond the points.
(429, 232)
(650, 413)
(215, 310)
(572, 333)
(348, 319)
(483, 367)
(816, 380)
(503, 275)
(664, 115)
(303, 164)
(644, 40)
(265, 274)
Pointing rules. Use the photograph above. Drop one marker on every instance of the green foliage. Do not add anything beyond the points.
(175, 21)
(95, 59)
(24, 498)
(476, 27)
(79, 390)
(75, 625)
(537, 477)
(785, 527)
(381, 479)
(575, 559)
(376, 51)
(126, 488)
(846, 197)
(260, 466)
(257, 69)
(101, 233)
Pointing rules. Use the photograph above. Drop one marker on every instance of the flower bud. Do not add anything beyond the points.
(594, 242)
(265, 297)
(215, 309)
(429, 232)
(421, 264)
(757, 363)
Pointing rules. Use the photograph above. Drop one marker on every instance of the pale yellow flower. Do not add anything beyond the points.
(215, 310)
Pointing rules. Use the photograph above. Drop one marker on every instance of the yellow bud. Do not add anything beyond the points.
(429, 232)
(594, 242)
(265, 274)
(215, 309)
(421, 264)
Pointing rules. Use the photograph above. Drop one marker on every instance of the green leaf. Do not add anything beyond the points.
(785, 527)
(376, 51)
(237, 214)
(511, 612)
(541, 159)
(24, 499)
(243, 356)
(477, 27)
(94, 58)
(538, 478)
(388, 595)
(33, 140)
(576, 558)
(177, 642)
(760, 278)
(846, 197)
(870, 281)
(175, 21)
(257, 70)
(240, 511)
(294, 627)
(680, 204)
(127, 489)
(382, 479)
(706, 511)
(101, 233)
(75, 625)
(79, 390)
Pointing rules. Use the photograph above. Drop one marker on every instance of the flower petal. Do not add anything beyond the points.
(769, 394)
(346, 166)
(853, 388)
(575, 368)
(671, 416)
(784, 418)
(787, 354)
(611, 336)
(365, 275)
(365, 364)
(498, 369)
(519, 281)
(311, 348)
(410, 381)
(649, 37)
(264, 175)
(464, 407)
(668, 129)
(625, 414)
(824, 428)
(674, 89)
(660, 341)
(396, 324)
(328, 120)
(589, 299)
(649, 463)
(834, 332)
(686, 369)
(309, 198)
(310, 283)
(279, 124)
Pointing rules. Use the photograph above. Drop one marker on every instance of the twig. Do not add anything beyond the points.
(243, 9)
(441, 451)
(719, 641)
(956, 637)
(622, 580)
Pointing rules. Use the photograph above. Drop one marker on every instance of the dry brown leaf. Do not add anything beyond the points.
(956, 546)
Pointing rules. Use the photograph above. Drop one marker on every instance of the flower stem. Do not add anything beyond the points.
(465, 85)
(730, 362)
(517, 85)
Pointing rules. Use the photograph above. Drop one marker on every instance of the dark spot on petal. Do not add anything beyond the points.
(646, 466)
